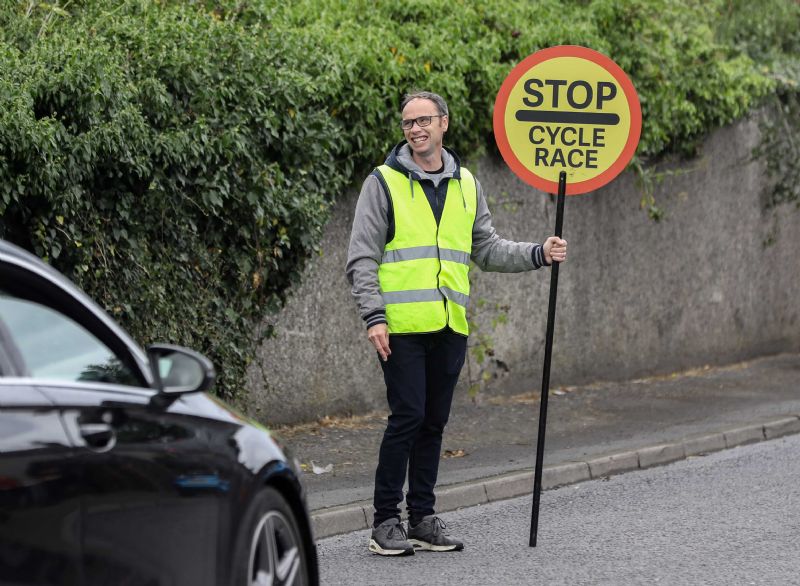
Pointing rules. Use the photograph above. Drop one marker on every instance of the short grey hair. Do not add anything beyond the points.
(441, 105)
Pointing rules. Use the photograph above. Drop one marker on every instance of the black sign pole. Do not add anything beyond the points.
(548, 350)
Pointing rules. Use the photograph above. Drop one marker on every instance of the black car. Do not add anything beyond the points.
(115, 467)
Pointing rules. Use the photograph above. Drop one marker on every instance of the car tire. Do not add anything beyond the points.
(273, 551)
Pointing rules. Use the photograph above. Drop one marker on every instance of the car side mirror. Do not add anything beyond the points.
(178, 370)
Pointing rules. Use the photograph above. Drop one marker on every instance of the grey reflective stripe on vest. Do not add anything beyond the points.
(454, 256)
(417, 252)
(412, 253)
(455, 296)
(418, 295)
(413, 296)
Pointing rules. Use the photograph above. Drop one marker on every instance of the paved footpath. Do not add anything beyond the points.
(593, 431)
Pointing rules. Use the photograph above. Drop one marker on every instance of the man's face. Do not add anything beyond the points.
(427, 140)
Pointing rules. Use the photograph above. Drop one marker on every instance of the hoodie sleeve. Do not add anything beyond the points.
(492, 253)
(367, 241)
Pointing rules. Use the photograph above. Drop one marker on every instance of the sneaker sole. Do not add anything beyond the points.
(425, 546)
(375, 548)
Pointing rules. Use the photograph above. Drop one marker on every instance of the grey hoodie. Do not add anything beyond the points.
(373, 227)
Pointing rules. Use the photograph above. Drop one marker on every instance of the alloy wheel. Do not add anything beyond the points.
(274, 553)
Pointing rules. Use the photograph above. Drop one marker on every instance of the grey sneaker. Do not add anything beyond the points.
(430, 535)
(389, 538)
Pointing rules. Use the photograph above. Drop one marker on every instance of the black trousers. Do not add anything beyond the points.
(420, 376)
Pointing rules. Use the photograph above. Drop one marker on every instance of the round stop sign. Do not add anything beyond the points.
(567, 108)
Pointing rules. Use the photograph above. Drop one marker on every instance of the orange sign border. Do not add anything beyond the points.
(521, 69)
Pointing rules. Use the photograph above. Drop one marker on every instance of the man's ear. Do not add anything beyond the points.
(445, 122)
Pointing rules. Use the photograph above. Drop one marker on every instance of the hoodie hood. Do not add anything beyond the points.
(400, 159)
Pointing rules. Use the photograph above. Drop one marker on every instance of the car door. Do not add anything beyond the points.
(146, 519)
(150, 516)
(40, 504)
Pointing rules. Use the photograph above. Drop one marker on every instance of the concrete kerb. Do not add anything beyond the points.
(783, 426)
(704, 444)
(336, 520)
(748, 434)
(613, 464)
(356, 516)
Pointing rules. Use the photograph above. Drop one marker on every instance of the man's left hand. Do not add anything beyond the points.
(555, 250)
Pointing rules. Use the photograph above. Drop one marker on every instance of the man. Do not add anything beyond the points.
(419, 220)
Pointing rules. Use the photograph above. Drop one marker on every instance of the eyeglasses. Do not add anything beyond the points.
(421, 121)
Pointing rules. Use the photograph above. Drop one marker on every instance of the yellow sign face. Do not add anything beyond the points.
(567, 109)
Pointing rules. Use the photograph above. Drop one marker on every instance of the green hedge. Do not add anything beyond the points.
(770, 33)
(179, 159)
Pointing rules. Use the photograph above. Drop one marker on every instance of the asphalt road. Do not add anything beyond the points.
(732, 517)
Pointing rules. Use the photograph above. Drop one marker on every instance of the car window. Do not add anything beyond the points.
(7, 366)
(55, 347)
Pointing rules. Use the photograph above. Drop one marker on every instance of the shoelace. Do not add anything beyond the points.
(400, 528)
(439, 526)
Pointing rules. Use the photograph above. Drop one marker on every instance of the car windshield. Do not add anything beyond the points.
(55, 347)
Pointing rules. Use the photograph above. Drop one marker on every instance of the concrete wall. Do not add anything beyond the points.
(635, 298)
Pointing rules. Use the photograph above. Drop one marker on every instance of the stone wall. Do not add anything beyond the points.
(635, 298)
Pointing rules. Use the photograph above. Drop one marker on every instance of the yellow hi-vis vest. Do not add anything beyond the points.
(424, 272)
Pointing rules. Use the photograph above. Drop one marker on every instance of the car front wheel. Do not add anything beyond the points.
(275, 555)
